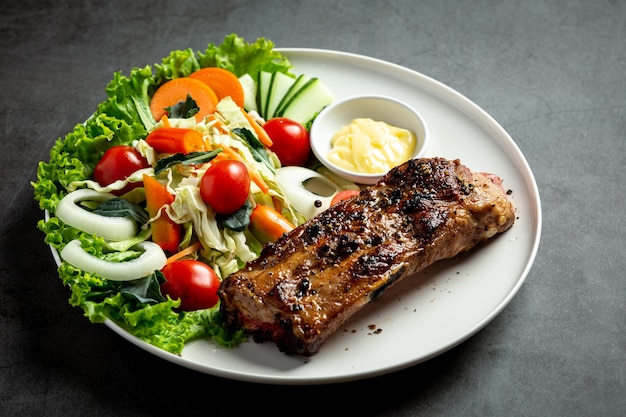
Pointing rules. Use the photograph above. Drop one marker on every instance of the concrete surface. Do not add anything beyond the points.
(551, 72)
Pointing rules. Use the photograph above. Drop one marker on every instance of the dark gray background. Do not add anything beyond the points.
(551, 72)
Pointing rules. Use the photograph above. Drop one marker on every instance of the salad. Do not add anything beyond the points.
(179, 178)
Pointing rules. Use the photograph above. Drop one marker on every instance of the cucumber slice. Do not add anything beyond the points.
(265, 82)
(301, 80)
(308, 102)
(281, 83)
(249, 92)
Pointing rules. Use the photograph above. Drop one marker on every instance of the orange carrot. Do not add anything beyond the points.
(222, 81)
(166, 121)
(221, 156)
(254, 175)
(264, 138)
(194, 247)
(218, 123)
(175, 140)
(174, 91)
(277, 204)
(267, 224)
(258, 180)
(165, 232)
(233, 154)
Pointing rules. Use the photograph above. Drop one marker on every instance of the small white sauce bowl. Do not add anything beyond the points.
(378, 108)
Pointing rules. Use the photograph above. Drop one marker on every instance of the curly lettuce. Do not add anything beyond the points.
(74, 158)
(240, 58)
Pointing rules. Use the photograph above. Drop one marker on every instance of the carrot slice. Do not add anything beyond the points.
(264, 138)
(194, 247)
(176, 90)
(222, 81)
(267, 224)
(165, 232)
(175, 140)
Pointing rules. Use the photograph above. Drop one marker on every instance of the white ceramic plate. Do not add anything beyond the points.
(425, 315)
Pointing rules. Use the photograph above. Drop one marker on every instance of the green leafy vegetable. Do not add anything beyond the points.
(240, 57)
(239, 220)
(124, 245)
(145, 290)
(256, 147)
(185, 159)
(118, 207)
(129, 97)
(177, 64)
(183, 109)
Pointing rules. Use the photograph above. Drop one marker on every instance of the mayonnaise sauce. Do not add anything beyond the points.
(371, 147)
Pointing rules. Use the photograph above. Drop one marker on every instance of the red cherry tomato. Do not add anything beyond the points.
(193, 282)
(343, 195)
(225, 186)
(290, 141)
(118, 163)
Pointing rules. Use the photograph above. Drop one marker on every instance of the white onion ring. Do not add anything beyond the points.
(153, 258)
(296, 184)
(110, 228)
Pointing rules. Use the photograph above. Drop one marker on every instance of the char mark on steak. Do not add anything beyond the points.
(303, 287)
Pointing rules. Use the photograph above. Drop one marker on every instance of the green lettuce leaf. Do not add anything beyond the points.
(240, 57)
(74, 157)
(157, 323)
(129, 97)
(177, 64)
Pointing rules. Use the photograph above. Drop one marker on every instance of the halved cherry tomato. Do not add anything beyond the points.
(343, 195)
(118, 163)
(290, 141)
(225, 186)
(193, 282)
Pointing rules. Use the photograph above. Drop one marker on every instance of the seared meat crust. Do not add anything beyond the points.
(313, 279)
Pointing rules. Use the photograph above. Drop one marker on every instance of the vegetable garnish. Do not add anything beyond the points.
(188, 251)
(175, 140)
(121, 221)
(264, 138)
(111, 228)
(168, 95)
(191, 281)
(267, 224)
(223, 82)
(343, 195)
(165, 231)
(145, 264)
(184, 159)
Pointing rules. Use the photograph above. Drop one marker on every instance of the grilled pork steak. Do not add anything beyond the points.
(306, 285)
